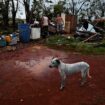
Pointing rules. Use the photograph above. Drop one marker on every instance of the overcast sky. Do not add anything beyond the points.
(21, 11)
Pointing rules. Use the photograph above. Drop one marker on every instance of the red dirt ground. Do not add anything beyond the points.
(26, 79)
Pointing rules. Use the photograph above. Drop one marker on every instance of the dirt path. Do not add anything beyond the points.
(26, 79)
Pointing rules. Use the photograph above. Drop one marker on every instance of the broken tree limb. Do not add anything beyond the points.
(90, 37)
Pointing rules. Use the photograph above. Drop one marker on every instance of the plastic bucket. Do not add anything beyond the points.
(35, 33)
(24, 32)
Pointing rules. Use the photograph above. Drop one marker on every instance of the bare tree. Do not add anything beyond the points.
(74, 7)
(5, 12)
(38, 8)
(97, 7)
(27, 9)
(14, 11)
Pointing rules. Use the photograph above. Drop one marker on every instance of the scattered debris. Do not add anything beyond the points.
(89, 32)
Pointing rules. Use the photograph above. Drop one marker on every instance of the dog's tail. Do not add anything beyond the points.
(88, 74)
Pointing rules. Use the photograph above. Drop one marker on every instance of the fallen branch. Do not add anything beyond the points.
(90, 37)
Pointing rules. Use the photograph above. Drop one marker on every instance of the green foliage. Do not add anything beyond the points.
(58, 9)
(60, 40)
(71, 44)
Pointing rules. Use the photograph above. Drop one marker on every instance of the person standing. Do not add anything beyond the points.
(44, 24)
(59, 24)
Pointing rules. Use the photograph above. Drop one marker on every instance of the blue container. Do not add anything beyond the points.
(24, 32)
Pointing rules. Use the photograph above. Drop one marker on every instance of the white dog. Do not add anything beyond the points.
(65, 69)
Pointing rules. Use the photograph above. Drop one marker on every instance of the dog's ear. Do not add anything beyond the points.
(58, 61)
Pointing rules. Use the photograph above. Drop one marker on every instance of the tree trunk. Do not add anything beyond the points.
(4, 12)
(14, 21)
(14, 11)
(28, 17)
(27, 11)
(5, 21)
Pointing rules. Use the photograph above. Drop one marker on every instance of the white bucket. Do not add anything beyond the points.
(35, 33)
